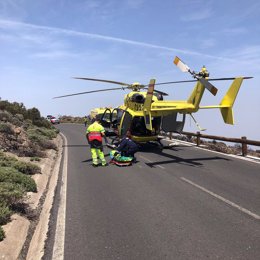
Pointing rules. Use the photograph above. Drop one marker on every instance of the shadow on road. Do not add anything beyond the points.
(194, 162)
(90, 159)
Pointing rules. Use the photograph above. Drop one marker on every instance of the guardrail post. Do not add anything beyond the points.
(244, 146)
(198, 138)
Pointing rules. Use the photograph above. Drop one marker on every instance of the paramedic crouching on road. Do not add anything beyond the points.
(94, 135)
(127, 146)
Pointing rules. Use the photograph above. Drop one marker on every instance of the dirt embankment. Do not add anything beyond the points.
(27, 231)
(30, 154)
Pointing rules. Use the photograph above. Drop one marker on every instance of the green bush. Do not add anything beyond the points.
(2, 234)
(13, 108)
(43, 132)
(15, 121)
(11, 175)
(42, 137)
(5, 214)
(6, 128)
(32, 114)
(23, 167)
(5, 116)
(11, 193)
(48, 144)
(35, 136)
(27, 168)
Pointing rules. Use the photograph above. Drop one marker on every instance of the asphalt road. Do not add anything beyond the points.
(182, 203)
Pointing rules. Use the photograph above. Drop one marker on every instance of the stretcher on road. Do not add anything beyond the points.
(120, 160)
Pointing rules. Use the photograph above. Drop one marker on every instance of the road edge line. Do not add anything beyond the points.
(59, 239)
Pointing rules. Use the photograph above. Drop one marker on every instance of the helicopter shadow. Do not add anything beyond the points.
(170, 158)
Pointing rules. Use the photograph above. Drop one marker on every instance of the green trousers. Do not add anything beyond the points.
(97, 153)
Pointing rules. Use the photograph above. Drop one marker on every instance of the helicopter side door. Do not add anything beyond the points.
(107, 123)
(125, 124)
(116, 116)
(173, 122)
(105, 118)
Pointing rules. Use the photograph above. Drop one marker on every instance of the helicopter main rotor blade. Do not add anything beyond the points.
(104, 80)
(194, 80)
(88, 92)
(184, 68)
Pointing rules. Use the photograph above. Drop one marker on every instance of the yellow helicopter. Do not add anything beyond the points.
(146, 113)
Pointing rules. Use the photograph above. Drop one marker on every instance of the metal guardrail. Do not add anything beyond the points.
(243, 140)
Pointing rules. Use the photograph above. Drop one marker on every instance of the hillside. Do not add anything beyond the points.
(23, 133)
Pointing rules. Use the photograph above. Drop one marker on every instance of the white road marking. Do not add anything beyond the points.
(58, 248)
(148, 160)
(246, 211)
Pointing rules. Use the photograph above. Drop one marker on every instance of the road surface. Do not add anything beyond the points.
(182, 203)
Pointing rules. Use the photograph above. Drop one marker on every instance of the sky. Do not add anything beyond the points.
(45, 43)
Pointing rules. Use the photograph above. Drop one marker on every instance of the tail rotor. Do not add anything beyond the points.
(198, 76)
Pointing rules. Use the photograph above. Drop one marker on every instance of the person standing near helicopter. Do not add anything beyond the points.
(127, 147)
(94, 134)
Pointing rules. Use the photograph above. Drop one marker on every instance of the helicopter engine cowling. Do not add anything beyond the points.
(138, 98)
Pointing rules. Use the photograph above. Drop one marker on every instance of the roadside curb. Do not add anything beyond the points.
(36, 247)
(25, 239)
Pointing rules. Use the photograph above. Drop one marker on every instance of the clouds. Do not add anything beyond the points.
(44, 35)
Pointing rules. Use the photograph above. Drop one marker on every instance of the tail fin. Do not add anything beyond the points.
(148, 104)
(228, 101)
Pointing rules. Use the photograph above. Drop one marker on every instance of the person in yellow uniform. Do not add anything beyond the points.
(94, 134)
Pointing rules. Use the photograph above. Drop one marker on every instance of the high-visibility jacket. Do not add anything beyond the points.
(94, 132)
